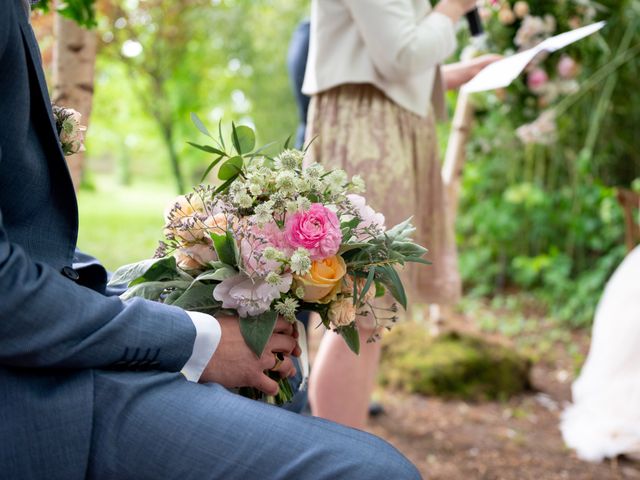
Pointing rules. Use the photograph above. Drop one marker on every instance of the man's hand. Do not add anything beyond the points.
(235, 365)
(457, 74)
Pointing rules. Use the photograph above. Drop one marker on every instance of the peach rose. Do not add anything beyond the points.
(347, 288)
(217, 224)
(342, 312)
(194, 257)
(323, 282)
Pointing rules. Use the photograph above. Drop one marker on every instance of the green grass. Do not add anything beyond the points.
(120, 225)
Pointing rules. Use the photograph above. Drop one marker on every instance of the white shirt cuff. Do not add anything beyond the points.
(208, 334)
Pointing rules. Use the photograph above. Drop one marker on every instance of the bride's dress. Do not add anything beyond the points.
(604, 420)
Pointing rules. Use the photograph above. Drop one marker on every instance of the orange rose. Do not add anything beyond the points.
(322, 283)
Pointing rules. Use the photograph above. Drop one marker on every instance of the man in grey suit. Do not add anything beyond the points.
(90, 387)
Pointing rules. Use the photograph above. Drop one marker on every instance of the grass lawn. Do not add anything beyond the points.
(120, 225)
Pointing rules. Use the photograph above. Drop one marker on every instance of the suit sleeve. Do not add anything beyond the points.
(397, 45)
(47, 321)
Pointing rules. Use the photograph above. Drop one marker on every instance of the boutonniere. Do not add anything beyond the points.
(70, 131)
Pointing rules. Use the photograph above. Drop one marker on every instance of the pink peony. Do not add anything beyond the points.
(317, 230)
(537, 79)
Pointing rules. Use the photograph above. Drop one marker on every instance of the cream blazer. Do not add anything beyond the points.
(396, 45)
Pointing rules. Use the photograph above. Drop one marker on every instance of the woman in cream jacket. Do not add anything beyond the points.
(376, 84)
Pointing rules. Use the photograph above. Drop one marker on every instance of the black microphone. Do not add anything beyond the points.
(475, 23)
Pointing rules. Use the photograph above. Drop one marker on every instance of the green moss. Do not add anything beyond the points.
(453, 365)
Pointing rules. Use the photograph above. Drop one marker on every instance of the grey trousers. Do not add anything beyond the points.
(160, 426)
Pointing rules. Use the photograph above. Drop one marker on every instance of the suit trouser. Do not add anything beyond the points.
(159, 426)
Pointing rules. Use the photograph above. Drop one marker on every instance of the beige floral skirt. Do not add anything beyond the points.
(360, 130)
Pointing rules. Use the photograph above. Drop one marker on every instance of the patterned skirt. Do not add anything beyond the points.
(363, 132)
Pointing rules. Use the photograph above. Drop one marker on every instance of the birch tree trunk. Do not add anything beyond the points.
(74, 57)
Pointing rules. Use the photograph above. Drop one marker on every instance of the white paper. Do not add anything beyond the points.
(501, 73)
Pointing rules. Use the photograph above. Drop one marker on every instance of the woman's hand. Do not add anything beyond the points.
(457, 74)
(454, 9)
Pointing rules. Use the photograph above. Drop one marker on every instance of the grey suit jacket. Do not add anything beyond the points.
(55, 329)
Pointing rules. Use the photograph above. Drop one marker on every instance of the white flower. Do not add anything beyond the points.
(271, 253)
(299, 292)
(304, 203)
(300, 261)
(314, 171)
(336, 181)
(286, 182)
(369, 218)
(243, 200)
(250, 296)
(291, 206)
(287, 308)
(289, 160)
(264, 213)
(357, 184)
(255, 188)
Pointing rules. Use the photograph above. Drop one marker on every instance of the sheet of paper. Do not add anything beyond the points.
(501, 73)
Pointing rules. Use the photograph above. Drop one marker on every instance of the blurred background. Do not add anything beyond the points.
(540, 227)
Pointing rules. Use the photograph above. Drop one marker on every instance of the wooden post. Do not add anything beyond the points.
(630, 201)
(456, 153)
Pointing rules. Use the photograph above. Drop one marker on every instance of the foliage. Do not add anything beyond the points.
(452, 365)
(544, 217)
(81, 11)
(163, 59)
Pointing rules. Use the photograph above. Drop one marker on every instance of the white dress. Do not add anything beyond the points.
(604, 420)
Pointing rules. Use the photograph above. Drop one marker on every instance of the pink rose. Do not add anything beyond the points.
(537, 79)
(317, 230)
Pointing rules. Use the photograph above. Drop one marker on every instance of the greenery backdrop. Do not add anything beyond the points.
(540, 219)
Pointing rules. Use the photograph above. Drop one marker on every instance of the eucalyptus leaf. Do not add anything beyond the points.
(389, 277)
(257, 330)
(231, 168)
(369, 282)
(208, 149)
(244, 138)
(199, 125)
(351, 337)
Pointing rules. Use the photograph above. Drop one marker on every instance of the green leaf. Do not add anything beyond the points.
(257, 330)
(226, 248)
(367, 284)
(287, 142)
(145, 270)
(231, 168)
(163, 269)
(243, 137)
(152, 290)
(389, 277)
(351, 337)
(347, 247)
(208, 149)
(220, 135)
(198, 297)
(199, 125)
(218, 275)
(224, 186)
(380, 290)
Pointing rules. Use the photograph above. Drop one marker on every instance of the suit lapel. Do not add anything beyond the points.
(34, 53)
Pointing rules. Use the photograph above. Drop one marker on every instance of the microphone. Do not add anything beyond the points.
(475, 23)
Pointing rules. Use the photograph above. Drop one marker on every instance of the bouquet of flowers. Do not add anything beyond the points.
(272, 239)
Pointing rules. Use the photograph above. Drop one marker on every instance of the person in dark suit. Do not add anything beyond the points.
(297, 65)
(90, 386)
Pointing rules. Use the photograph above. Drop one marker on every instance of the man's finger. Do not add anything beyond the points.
(283, 327)
(266, 385)
(281, 343)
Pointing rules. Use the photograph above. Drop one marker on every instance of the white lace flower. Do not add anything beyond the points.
(289, 160)
(336, 181)
(300, 261)
(357, 184)
(287, 308)
(286, 182)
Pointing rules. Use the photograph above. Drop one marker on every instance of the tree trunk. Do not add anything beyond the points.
(167, 135)
(74, 59)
